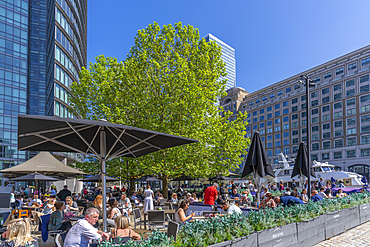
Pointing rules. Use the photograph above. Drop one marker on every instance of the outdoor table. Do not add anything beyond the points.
(76, 218)
(198, 217)
(169, 212)
(30, 209)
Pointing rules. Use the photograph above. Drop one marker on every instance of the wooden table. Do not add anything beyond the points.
(30, 209)
(169, 212)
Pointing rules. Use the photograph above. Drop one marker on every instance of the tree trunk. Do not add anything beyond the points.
(165, 187)
(132, 185)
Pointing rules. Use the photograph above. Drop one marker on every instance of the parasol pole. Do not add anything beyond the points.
(102, 169)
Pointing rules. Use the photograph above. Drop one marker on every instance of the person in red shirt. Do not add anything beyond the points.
(210, 195)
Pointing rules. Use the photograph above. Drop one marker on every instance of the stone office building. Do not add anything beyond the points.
(339, 113)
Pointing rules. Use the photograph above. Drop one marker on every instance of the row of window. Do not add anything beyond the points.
(62, 76)
(61, 57)
(339, 155)
(59, 36)
(69, 13)
(61, 93)
(61, 110)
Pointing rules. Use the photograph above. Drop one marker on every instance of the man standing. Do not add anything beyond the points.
(81, 234)
(293, 184)
(321, 183)
(210, 194)
(64, 193)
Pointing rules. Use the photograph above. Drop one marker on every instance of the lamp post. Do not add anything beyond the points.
(308, 83)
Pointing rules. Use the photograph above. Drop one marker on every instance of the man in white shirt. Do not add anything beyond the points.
(35, 200)
(83, 232)
(230, 209)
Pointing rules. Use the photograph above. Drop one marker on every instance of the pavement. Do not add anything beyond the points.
(356, 237)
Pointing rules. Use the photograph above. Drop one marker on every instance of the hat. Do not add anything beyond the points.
(65, 186)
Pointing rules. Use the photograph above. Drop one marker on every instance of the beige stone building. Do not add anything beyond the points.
(339, 113)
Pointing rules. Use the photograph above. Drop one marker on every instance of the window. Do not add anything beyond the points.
(352, 66)
(364, 98)
(351, 141)
(304, 122)
(269, 130)
(338, 105)
(316, 79)
(365, 129)
(350, 92)
(337, 155)
(338, 143)
(294, 116)
(254, 113)
(365, 61)
(277, 106)
(255, 127)
(277, 128)
(315, 137)
(314, 94)
(337, 96)
(365, 108)
(326, 108)
(269, 152)
(350, 83)
(327, 75)
(269, 116)
(269, 138)
(326, 135)
(264, 98)
(262, 132)
(286, 119)
(285, 111)
(326, 117)
(294, 108)
(295, 125)
(314, 102)
(351, 121)
(351, 131)
(303, 106)
(337, 87)
(303, 97)
(339, 71)
(351, 102)
(338, 124)
(365, 139)
(326, 145)
(325, 100)
(254, 120)
(364, 89)
(258, 101)
(285, 126)
(269, 108)
(364, 78)
(269, 123)
(262, 125)
(277, 151)
(294, 132)
(297, 86)
(315, 119)
(315, 146)
(325, 156)
(365, 118)
(326, 126)
(314, 157)
(286, 134)
(286, 150)
(278, 144)
(314, 111)
(295, 149)
(280, 92)
(248, 128)
(338, 133)
(288, 90)
(295, 140)
(295, 100)
(262, 111)
(351, 111)
(304, 131)
(365, 152)
(338, 114)
(285, 103)
(272, 95)
(315, 128)
(277, 113)
(262, 118)
(351, 153)
(325, 91)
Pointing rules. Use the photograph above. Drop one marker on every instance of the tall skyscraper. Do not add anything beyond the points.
(43, 44)
(228, 56)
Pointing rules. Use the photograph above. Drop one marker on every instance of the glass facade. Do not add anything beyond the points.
(42, 48)
(228, 56)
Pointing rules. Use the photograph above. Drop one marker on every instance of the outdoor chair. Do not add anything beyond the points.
(173, 229)
(137, 217)
(80, 210)
(58, 240)
(168, 204)
(209, 212)
(162, 202)
(80, 203)
(156, 219)
(44, 222)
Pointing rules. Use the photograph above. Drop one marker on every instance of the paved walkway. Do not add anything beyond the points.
(356, 237)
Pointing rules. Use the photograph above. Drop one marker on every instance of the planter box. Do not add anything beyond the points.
(223, 244)
(311, 232)
(364, 212)
(340, 221)
(247, 241)
(352, 219)
(278, 236)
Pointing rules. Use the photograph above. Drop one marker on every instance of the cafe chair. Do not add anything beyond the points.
(137, 217)
(156, 219)
(80, 211)
(168, 204)
(58, 240)
(162, 202)
(43, 227)
(173, 228)
(22, 213)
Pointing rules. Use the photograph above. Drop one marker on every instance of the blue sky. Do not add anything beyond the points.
(273, 39)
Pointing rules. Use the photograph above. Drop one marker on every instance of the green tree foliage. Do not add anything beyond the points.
(168, 83)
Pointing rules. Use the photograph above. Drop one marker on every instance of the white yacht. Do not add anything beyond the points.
(322, 170)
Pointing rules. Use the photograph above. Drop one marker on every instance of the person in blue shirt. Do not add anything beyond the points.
(288, 200)
(315, 197)
(235, 194)
(321, 183)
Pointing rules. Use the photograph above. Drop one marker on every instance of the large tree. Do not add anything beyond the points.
(170, 82)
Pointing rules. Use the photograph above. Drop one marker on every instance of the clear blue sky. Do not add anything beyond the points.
(273, 39)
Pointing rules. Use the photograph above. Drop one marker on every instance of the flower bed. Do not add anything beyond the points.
(302, 225)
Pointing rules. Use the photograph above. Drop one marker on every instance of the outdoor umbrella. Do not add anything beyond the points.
(303, 167)
(97, 178)
(147, 178)
(183, 178)
(257, 162)
(98, 139)
(37, 177)
(153, 179)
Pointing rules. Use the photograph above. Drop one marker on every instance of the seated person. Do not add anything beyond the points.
(296, 189)
(135, 199)
(263, 192)
(267, 201)
(126, 203)
(315, 196)
(235, 195)
(18, 234)
(50, 206)
(328, 193)
(56, 221)
(19, 201)
(45, 200)
(35, 200)
(322, 192)
(287, 192)
(230, 209)
(245, 199)
(70, 204)
(122, 229)
(304, 196)
(181, 212)
(98, 204)
(288, 200)
(341, 194)
(83, 231)
(113, 211)
(174, 198)
(194, 197)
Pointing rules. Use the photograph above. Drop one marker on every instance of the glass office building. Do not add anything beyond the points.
(228, 56)
(42, 48)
